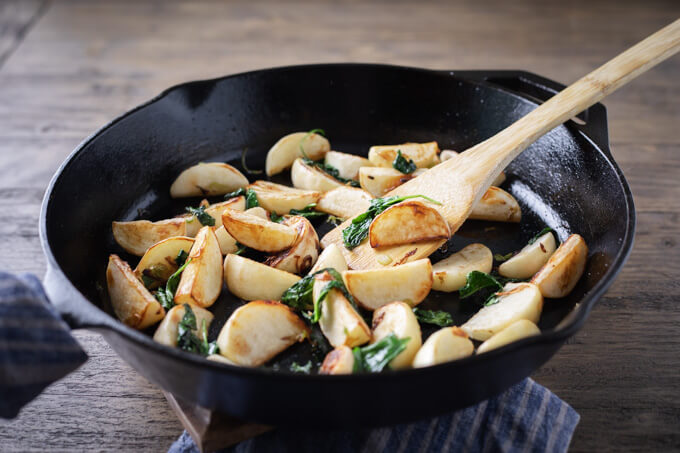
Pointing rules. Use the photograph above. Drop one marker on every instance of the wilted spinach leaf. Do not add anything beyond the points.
(187, 339)
(202, 216)
(308, 212)
(375, 357)
(438, 317)
(404, 165)
(477, 281)
(166, 294)
(540, 233)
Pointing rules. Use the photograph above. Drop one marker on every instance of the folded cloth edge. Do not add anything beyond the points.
(36, 345)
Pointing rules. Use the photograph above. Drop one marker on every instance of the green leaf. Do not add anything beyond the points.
(241, 248)
(181, 258)
(274, 217)
(540, 233)
(166, 294)
(330, 170)
(202, 216)
(236, 193)
(477, 281)
(300, 295)
(245, 166)
(322, 295)
(404, 165)
(492, 300)
(296, 368)
(338, 278)
(308, 211)
(439, 318)
(187, 339)
(354, 234)
(148, 281)
(375, 357)
(251, 199)
(500, 258)
(209, 348)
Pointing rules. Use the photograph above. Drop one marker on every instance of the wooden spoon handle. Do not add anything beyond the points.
(494, 154)
(460, 182)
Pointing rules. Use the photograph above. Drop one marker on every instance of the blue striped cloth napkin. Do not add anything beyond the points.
(526, 418)
(36, 346)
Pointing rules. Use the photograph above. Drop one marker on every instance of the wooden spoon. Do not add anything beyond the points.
(459, 183)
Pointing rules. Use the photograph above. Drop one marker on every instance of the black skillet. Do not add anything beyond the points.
(567, 180)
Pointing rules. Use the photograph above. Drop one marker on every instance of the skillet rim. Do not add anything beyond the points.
(556, 335)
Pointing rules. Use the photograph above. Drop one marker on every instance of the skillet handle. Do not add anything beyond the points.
(71, 305)
(592, 122)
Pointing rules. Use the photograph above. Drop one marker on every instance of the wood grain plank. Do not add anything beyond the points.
(94, 408)
(86, 62)
(16, 19)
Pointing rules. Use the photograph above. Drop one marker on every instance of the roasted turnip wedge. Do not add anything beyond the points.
(258, 233)
(158, 263)
(259, 330)
(344, 202)
(167, 330)
(216, 210)
(379, 180)
(251, 280)
(373, 288)
(450, 274)
(281, 199)
(207, 179)
(497, 205)
(302, 255)
(398, 318)
(515, 331)
(308, 177)
(201, 281)
(348, 165)
(564, 268)
(424, 155)
(226, 241)
(516, 301)
(131, 301)
(137, 236)
(331, 257)
(445, 345)
(530, 259)
(408, 222)
(339, 322)
(287, 149)
(339, 361)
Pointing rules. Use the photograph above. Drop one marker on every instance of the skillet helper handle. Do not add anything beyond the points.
(64, 298)
(494, 154)
(36, 346)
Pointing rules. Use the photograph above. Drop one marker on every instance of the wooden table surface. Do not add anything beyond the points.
(68, 67)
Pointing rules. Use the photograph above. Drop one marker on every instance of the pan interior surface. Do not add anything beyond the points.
(124, 172)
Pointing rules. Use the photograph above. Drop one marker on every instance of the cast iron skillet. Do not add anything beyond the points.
(567, 180)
